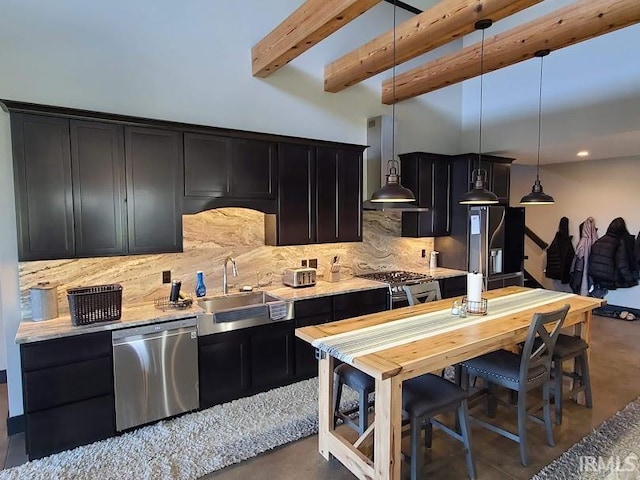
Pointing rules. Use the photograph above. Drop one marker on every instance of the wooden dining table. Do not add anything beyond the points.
(448, 341)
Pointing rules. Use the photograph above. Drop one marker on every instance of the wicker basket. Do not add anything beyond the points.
(99, 303)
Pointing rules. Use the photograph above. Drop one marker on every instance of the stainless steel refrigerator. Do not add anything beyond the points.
(496, 244)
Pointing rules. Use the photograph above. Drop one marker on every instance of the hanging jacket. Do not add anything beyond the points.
(560, 254)
(580, 278)
(611, 263)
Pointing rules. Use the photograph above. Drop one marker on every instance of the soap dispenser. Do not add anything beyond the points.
(433, 260)
(201, 289)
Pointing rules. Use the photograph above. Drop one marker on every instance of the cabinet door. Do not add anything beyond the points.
(44, 201)
(253, 169)
(223, 367)
(339, 194)
(207, 165)
(296, 195)
(272, 356)
(154, 190)
(313, 311)
(500, 176)
(429, 177)
(97, 157)
(349, 196)
(327, 178)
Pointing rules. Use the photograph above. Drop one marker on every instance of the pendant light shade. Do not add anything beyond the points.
(537, 195)
(393, 192)
(479, 194)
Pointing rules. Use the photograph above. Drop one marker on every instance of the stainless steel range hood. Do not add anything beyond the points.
(380, 133)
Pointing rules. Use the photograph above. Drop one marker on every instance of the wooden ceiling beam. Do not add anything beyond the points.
(311, 23)
(572, 24)
(444, 22)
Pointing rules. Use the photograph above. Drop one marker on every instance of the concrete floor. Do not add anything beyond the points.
(614, 371)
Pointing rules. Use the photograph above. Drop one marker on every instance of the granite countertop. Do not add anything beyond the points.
(135, 315)
(132, 316)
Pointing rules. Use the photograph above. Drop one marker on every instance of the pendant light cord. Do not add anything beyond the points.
(539, 120)
(393, 88)
(480, 121)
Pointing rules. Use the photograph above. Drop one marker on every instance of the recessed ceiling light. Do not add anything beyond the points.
(583, 153)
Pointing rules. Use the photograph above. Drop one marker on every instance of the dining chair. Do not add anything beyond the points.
(519, 373)
(423, 398)
(423, 292)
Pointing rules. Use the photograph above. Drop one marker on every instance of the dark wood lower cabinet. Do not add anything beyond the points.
(68, 426)
(224, 367)
(453, 286)
(272, 356)
(67, 392)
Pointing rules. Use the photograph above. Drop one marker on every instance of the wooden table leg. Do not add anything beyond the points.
(325, 404)
(388, 428)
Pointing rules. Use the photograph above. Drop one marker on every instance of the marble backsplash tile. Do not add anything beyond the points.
(209, 237)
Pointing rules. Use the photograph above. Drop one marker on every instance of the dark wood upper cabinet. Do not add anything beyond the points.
(42, 173)
(294, 224)
(254, 168)
(339, 193)
(428, 176)
(319, 196)
(154, 196)
(207, 165)
(99, 188)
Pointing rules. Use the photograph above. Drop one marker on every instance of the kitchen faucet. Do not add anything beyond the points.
(225, 286)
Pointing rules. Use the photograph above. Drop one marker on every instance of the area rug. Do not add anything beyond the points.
(612, 451)
(192, 445)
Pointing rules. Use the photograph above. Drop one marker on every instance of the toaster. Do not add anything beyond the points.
(299, 277)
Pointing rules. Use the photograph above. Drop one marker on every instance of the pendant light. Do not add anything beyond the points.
(537, 195)
(393, 191)
(479, 195)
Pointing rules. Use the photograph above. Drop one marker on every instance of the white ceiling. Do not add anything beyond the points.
(616, 109)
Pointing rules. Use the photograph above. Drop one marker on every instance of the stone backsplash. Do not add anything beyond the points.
(209, 237)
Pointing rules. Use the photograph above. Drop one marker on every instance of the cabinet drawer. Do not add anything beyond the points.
(55, 386)
(453, 286)
(65, 350)
(356, 300)
(51, 431)
(313, 307)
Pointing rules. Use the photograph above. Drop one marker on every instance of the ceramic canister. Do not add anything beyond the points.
(44, 301)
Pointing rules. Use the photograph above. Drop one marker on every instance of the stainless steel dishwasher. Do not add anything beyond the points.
(155, 371)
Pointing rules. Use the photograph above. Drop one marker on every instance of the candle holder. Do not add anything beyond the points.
(475, 308)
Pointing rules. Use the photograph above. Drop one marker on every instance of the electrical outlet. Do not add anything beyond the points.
(166, 276)
(304, 262)
(424, 253)
(313, 262)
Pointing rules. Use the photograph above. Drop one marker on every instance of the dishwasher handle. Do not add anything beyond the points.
(117, 335)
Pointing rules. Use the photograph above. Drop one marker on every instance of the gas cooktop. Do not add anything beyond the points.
(396, 277)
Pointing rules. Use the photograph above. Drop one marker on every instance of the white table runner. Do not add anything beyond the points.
(349, 345)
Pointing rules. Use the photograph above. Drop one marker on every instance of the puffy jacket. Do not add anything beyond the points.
(611, 264)
(560, 254)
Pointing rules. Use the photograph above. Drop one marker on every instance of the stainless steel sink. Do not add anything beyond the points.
(217, 304)
(242, 310)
